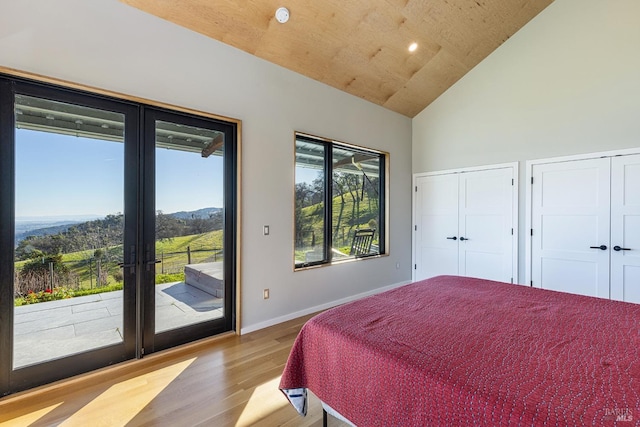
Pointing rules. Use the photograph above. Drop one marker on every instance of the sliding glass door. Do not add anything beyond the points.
(116, 234)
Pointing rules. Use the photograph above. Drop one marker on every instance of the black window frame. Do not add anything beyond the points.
(327, 170)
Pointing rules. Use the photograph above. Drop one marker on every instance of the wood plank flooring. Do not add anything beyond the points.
(227, 381)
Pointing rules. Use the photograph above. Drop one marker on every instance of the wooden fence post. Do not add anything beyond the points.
(51, 275)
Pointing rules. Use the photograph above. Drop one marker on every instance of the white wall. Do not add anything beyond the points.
(106, 44)
(566, 83)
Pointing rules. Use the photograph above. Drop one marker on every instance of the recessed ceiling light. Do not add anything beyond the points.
(282, 15)
(413, 46)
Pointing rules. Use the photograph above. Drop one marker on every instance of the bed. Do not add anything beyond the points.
(462, 351)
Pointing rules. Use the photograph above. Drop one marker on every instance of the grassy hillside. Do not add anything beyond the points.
(346, 217)
(173, 252)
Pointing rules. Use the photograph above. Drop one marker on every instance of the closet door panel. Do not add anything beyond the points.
(625, 228)
(485, 204)
(437, 224)
(570, 222)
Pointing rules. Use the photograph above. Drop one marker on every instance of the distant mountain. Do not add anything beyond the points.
(28, 223)
(40, 226)
(200, 213)
(41, 229)
(45, 226)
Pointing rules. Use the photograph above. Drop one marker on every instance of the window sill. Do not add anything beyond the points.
(304, 267)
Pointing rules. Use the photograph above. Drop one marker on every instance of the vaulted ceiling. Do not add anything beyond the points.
(361, 46)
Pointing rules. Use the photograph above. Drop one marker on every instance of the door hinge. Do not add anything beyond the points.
(531, 180)
(512, 231)
(416, 188)
(415, 266)
(415, 228)
(511, 181)
(142, 350)
(532, 231)
(532, 283)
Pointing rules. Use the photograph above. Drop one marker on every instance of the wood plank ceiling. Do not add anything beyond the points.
(361, 46)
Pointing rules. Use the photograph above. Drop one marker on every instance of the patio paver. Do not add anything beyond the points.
(56, 329)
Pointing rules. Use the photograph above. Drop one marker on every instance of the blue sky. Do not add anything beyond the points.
(304, 174)
(63, 176)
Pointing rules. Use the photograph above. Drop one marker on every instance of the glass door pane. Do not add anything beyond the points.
(69, 229)
(189, 225)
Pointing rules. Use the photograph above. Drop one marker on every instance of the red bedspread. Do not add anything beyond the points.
(462, 351)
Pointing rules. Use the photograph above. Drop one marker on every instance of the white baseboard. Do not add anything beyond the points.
(315, 309)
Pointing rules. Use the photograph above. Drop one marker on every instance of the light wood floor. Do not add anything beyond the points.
(229, 381)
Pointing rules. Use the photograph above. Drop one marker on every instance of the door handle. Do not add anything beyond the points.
(601, 247)
(132, 261)
(152, 262)
(452, 238)
(618, 248)
(462, 239)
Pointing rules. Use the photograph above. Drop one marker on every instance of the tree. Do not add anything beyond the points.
(39, 262)
(88, 235)
(198, 225)
(167, 226)
(303, 224)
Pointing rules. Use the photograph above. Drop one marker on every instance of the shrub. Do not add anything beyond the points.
(46, 295)
(118, 276)
(168, 278)
(93, 291)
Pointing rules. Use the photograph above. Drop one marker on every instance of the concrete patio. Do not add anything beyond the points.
(54, 329)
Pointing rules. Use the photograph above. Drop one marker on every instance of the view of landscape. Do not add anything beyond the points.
(355, 201)
(69, 257)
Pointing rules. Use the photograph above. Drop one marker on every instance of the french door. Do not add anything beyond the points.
(117, 225)
(187, 230)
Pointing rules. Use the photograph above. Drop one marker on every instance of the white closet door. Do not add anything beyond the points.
(485, 224)
(625, 228)
(570, 215)
(437, 224)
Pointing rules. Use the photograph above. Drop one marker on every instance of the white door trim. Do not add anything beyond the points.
(529, 164)
(514, 198)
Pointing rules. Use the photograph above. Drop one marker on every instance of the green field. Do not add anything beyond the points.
(346, 218)
(82, 266)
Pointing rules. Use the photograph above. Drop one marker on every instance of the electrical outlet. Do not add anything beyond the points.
(265, 294)
(265, 230)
